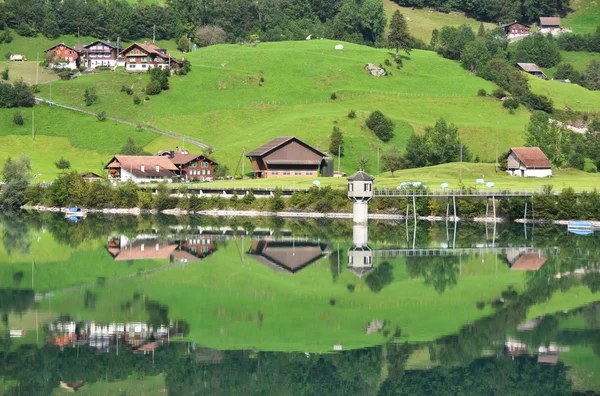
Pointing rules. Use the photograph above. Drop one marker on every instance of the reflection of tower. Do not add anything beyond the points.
(360, 191)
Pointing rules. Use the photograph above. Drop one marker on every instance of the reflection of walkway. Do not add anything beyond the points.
(455, 251)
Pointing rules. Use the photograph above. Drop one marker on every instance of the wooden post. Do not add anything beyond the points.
(454, 200)
(494, 204)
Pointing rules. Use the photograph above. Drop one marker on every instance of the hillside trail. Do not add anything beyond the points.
(203, 146)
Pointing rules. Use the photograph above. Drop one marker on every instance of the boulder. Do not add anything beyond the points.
(374, 70)
(339, 47)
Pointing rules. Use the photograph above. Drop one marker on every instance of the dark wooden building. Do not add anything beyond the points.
(286, 156)
(99, 53)
(516, 29)
(61, 56)
(139, 57)
(191, 166)
(532, 69)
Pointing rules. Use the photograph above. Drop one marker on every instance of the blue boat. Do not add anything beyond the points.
(75, 214)
(580, 228)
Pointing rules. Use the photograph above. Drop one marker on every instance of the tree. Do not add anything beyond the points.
(89, 96)
(336, 143)
(475, 54)
(591, 76)
(399, 37)
(566, 71)
(5, 74)
(130, 148)
(382, 126)
(372, 19)
(363, 162)
(546, 135)
(392, 159)
(439, 145)
(183, 44)
(210, 35)
(481, 31)
(18, 118)
(433, 43)
(62, 164)
(153, 87)
(16, 176)
(381, 277)
(539, 49)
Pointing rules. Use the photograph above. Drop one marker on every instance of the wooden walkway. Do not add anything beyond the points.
(487, 193)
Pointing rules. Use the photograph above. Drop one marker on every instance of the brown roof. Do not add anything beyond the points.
(549, 21)
(143, 251)
(100, 41)
(550, 358)
(276, 143)
(287, 257)
(134, 163)
(529, 262)
(530, 67)
(181, 158)
(151, 48)
(361, 176)
(59, 44)
(532, 157)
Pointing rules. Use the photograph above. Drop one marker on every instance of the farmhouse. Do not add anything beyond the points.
(515, 30)
(99, 53)
(141, 57)
(191, 166)
(532, 69)
(141, 169)
(528, 162)
(61, 56)
(552, 25)
(286, 156)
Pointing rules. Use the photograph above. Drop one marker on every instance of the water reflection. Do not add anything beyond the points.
(415, 309)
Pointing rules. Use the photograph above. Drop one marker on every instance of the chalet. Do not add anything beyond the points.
(528, 162)
(141, 169)
(284, 157)
(99, 53)
(139, 57)
(194, 248)
(521, 260)
(550, 23)
(287, 257)
(532, 69)
(515, 30)
(191, 166)
(90, 177)
(61, 56)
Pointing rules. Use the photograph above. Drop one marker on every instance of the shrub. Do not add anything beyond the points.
(399, 63)
(89, 96)
(137, 100)
(352, 114)
(387, 62)
(209, 35)
(123, 88)
(153, 88)
(482, 92)
(499, 93)
(510, 103)
(101, 116)
(18, 118)
(5, 74)
(382, 126)
(334, 96)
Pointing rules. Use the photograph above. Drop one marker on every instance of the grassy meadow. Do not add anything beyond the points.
(422, 21)
(563, 95)
(579, 61)
(585, 18)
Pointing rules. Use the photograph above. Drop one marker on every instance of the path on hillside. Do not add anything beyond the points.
(133, 124)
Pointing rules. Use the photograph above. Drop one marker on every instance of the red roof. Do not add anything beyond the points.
(532, 157)
(549, 21)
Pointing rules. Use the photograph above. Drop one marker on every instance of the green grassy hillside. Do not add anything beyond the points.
(579, 60)
(238, 97)
(571, 95)
(585, 18)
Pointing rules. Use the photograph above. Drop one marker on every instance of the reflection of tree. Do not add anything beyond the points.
(16, 233)
(439, 271)
(335, 258)
(158, 313)
(380, 277)
(13, 300)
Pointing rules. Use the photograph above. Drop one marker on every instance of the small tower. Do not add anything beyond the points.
(360, 191)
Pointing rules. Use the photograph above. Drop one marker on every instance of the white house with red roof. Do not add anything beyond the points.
(141, 169)
(528, 162)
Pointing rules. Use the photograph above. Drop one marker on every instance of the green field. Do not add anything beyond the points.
(585, 18)
(571, 95)
(82, 139)
(579, 60)
(422, 21)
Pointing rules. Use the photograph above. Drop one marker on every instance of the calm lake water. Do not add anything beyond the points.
(155, 304)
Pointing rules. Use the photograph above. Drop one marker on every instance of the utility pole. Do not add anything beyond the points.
(339, 157)
(377, 161)
(243, 162)
(154, 34)
(496, 156)
(78, 35)
(461, 153)
(37, 69)
(50, 94)
(32, 138)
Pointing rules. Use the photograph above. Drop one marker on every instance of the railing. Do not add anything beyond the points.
(452, 251)
(392, 192)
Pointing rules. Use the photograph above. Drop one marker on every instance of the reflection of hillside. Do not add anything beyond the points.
(286, 256)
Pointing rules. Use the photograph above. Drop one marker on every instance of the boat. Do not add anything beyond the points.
(581, 228)
(75, 214)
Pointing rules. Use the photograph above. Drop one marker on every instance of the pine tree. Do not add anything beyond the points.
(399, 37)
(481, 31)
(336, 145)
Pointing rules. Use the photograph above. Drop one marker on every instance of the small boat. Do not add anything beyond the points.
(75, 214)
(581, 228)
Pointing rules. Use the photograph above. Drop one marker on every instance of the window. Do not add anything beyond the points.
(204, 250)
(309, 173)
(368, 186)
(286, 173)
(350, 187)
(350, 260)
(275, 173)
(132, 66)
(205, 164)
(194, 164)
(297, 173)
(368, 260)
(144, 66)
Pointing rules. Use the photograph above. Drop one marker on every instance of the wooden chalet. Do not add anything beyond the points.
(516, 29)
(528, 162)
(99, 53)
(286, 156)
(287, 257)
(191, 166)
(194, 248)
(139, 57)
(141, 169)
(532, 69)
(61, 56)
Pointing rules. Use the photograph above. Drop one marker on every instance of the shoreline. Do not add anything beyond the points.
(296, 215)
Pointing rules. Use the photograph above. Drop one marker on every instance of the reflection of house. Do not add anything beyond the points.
(288, 257)
(122, 249)
(194, 248)
(525, 261)
(515, 348)
(532, 69)
(286, 156)
(141, 169)
(191, 166)
(528, 162)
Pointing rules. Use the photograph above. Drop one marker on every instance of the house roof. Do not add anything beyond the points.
(505, 25)
(360, 271)
(100, 41)
(287, 257)
(59, 44)
(530, 67)
(134, 163)
(276, 143)
(150, 48)
(532, 157)
(181, 158)
(147, 250)
(549, 358)
(549, 21)
(361, 176)
(528, 262)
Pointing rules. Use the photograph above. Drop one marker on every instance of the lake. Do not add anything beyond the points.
(144, 305)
